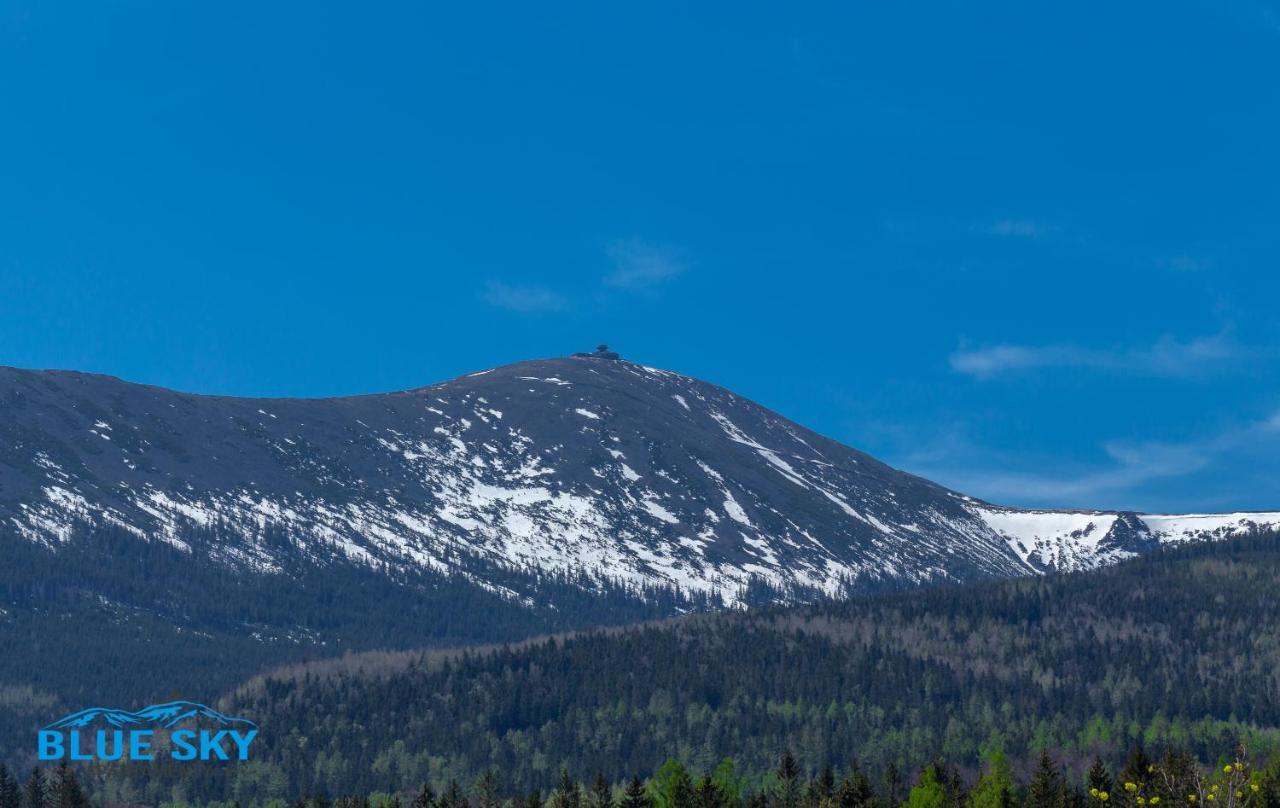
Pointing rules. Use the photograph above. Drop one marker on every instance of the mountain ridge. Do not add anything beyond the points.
(569, 465)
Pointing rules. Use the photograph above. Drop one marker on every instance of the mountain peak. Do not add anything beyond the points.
(601, 352)
(584, 466)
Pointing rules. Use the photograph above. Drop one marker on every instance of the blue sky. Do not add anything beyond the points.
(1028, 251)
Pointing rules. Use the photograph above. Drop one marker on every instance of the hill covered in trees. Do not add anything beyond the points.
(1180, 648)
(145, 621)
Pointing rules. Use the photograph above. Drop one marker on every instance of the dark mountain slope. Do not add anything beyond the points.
(576, 464)
(583, 466)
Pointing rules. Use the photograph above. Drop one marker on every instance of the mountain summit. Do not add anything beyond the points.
(577, 466)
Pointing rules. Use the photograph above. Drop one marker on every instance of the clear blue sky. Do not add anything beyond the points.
(1029, 252)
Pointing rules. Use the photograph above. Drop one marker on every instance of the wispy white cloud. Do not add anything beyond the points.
(1167, 357)
(642, 267)
(1113, 482)
(524, 299)
(1186, 263)
(1016, 228)
(638, 267)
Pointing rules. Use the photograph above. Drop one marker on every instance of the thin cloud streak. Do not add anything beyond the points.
(642, 267)
(1016, 228)
(524, 299)
(1167, 357)
(1132, 465)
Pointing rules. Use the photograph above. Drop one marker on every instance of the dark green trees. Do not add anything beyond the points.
(1047, 788)
(35, 792)
(635, 796)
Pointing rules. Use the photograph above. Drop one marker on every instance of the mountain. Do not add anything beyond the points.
(1178, 648)
(588, 467)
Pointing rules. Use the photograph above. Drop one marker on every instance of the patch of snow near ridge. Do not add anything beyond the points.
(1174, 528)
(1037, 534)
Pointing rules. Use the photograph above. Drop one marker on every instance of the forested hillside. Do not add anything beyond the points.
(144, 621)
(1180, 648)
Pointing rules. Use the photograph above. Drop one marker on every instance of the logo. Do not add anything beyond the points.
(180, 730)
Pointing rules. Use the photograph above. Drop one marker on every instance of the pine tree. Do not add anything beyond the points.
(452, 796)
(568, 793)
(726, 779)
(788, 781)
(533, 799)
(36, 792)
(671, 786)
(426, 797)
(683, 794)
(635, 796)
(10, 791)
(601, 795)
(1100, 779)
(67, 792)
(1047, 788)
(955, 794)
(822, 790)
(486, 790)
(1138, 768)
(892, 785)
(855, 790)
(708, 795)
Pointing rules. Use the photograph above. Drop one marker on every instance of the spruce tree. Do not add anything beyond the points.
(822, 790)
(601, 795)
(426, 797)
(855, 790)
(67, 792)
(568, 793)
(10, 791)
(35, 791)
(671, 786)
(635, 796)
(486, 790)
(683, 794)
(1138, 768)
(452, 796)
(892, 785)
(788, 781)
(1100, 779)
(1047, 788)
(726, 779)
(707, 795)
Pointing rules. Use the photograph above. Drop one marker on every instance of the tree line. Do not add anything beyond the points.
(1175, 779)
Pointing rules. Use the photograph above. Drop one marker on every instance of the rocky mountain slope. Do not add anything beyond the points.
(586, 464)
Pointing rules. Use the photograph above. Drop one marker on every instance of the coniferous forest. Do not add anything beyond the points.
(1176, 652)
(1139, 779)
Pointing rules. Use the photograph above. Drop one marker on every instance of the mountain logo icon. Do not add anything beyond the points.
(166, 716)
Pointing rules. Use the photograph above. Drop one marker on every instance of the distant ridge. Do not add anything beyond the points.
(577, 468)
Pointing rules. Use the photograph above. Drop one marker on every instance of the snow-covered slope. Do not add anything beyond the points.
(573, 465)
(1076, 540)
